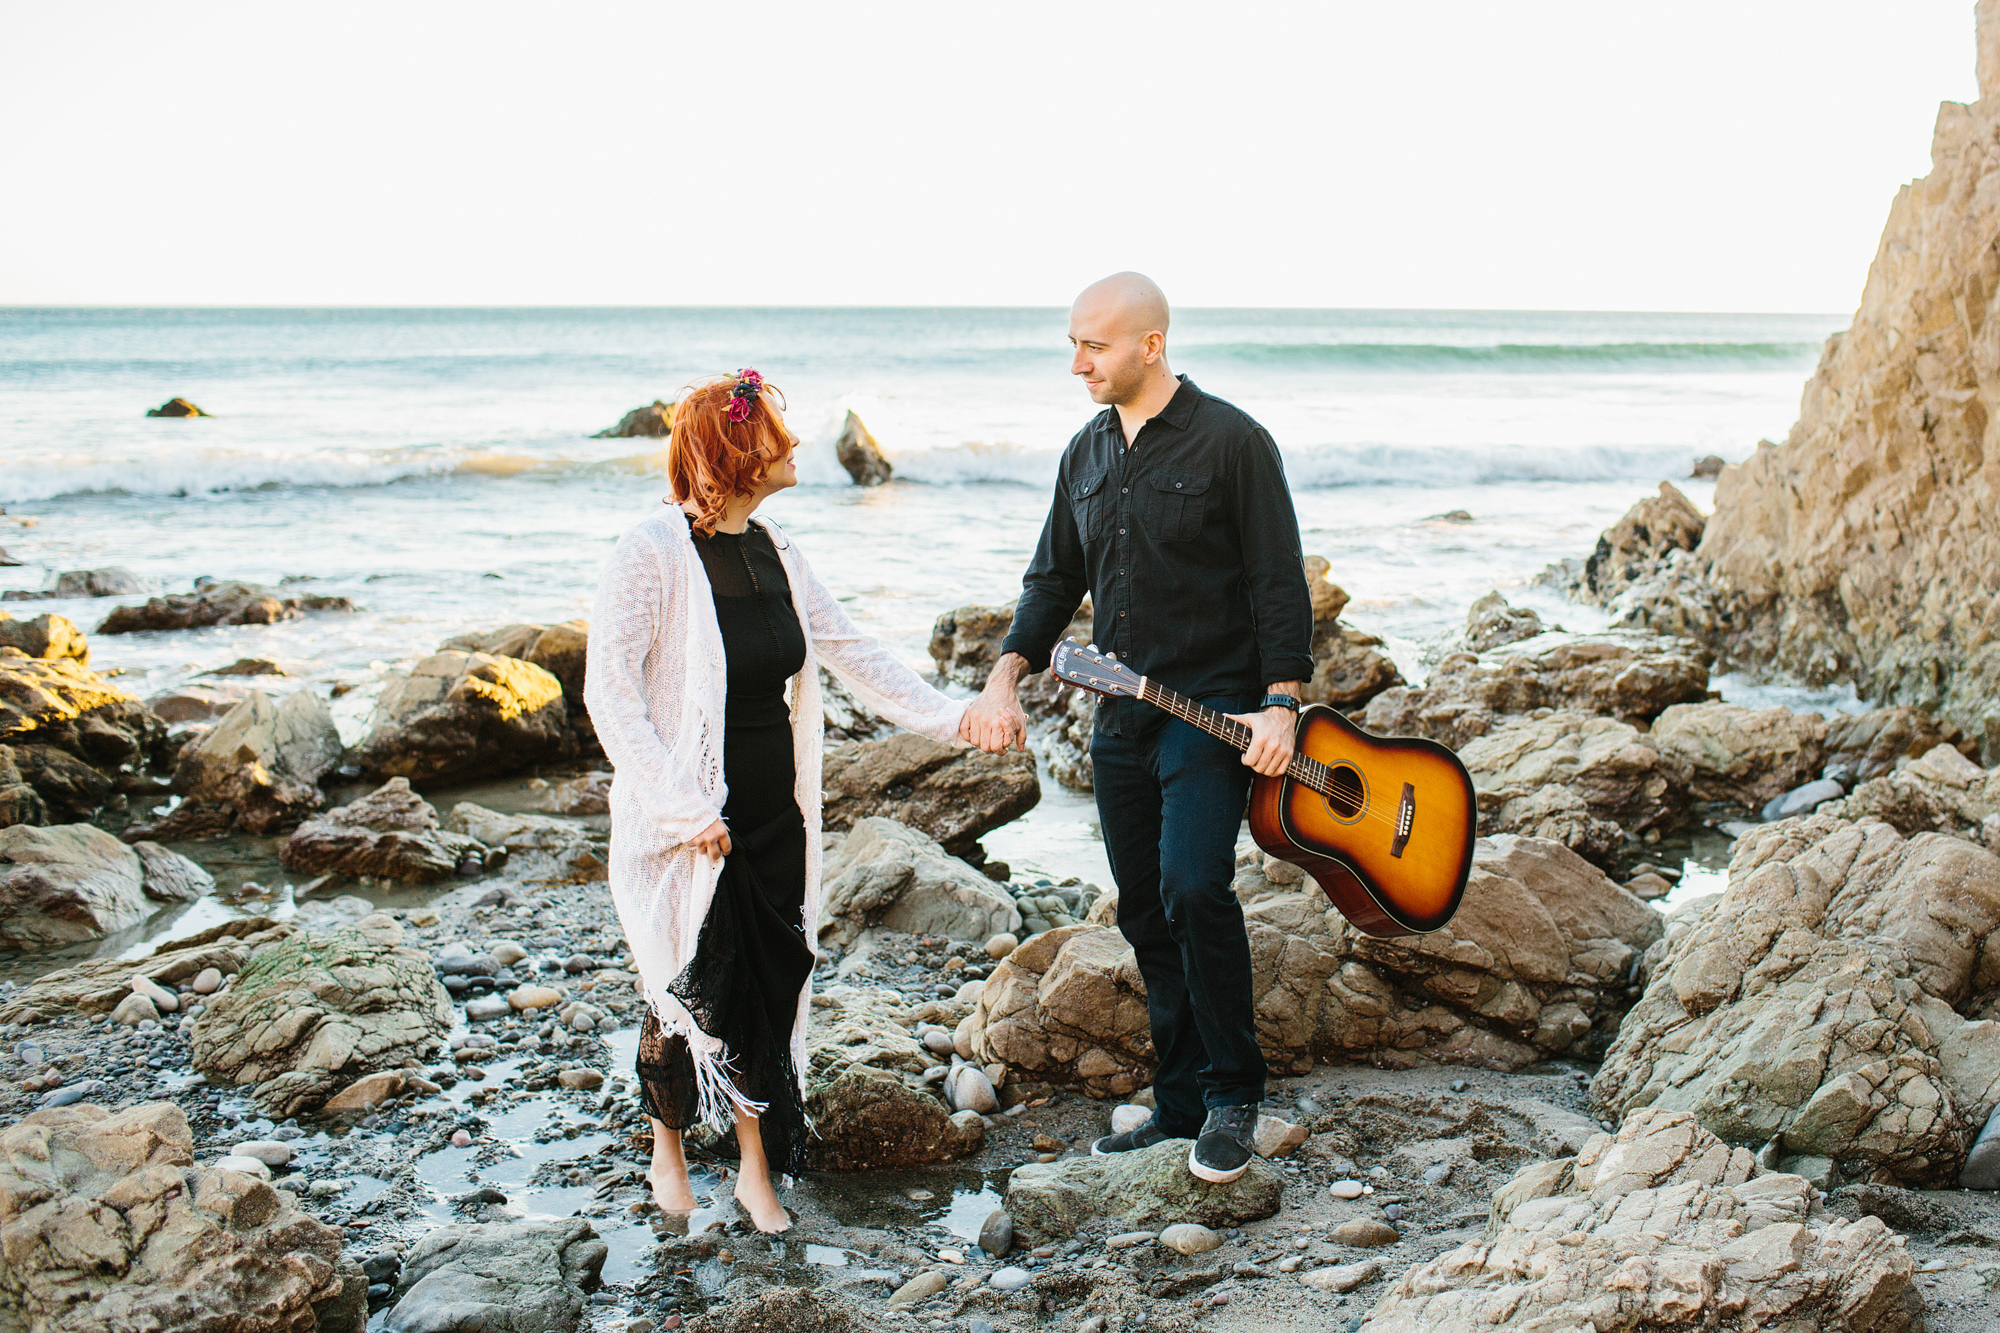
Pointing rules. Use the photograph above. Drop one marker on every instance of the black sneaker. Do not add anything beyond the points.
(1145, 1136)
(1223, 1151)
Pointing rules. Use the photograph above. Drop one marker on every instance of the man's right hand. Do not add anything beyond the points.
(994, 721)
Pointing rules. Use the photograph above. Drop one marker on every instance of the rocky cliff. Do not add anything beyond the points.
(1867, 545)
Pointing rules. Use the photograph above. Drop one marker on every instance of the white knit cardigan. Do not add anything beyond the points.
(655, 683)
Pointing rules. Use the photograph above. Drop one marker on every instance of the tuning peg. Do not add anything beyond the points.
(1093, 647)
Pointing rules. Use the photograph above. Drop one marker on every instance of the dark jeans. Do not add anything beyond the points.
(1170, 800)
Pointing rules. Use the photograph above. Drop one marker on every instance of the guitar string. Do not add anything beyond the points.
(1315, 776)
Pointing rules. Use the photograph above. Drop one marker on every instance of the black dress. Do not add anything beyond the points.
(752, 960)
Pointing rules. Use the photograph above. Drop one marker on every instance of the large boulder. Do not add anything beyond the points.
(1726, 752)
(176, 407)
(870, 1106)
(499, 1277)
(860, 454)
(457, 715)
(50, 636)
(1661, 1227)
(890, 875)
(966, 643)
(108, 1224)
(654, 421)
(313, 1012)
(1873, 743)
(561, 649)
(1639, 544)
(952, 794)
(20, 803)
(217, 603)
(1837, 1002)
(1537, 963)
(391, 832)
(82, 583)
(1150, 1187)
(1590, 783)
(67, 885)
(259, 768)
(96, 986)
(1491, 623)
(1627, 676)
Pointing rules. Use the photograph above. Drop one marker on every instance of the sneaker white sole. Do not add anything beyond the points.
(1211, 1175)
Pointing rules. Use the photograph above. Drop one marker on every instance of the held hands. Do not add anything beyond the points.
(1271, 733)
(994, 720)
(713, 841)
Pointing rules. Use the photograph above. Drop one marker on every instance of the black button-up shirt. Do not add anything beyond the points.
(1189, 548)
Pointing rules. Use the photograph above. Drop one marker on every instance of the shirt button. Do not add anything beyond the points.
(1121, 573)
(1121, 532)
(1124, 490)
(1121, 615)
(1177, 485)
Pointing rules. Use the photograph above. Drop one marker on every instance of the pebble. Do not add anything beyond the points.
(1010, 1278)
(582, 1021)
(1364, 1233)
(920, 1288)
(1125, 1240)
(583, 1080)
(1190, 1238)
(969, 993)
(996, 1234)
(968, 1089)
(69, 1096)
(208, 981)
(133, 1010)
(1342, 1277)
(938, 1041)
(1438, 1174)
(507, 953)
(268, 1151)
(1459, 1085)
(485, 1007)
(1346, 1189)
(526, 998)
(951, 1256)
(578, 963)
(461, 1139)
(1394, 1212)
(1291, 1263)
(1001, 945)
(248, 1166)
(1127, 1117)
(326, 1189)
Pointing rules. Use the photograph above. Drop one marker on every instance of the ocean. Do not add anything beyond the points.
(436, 466)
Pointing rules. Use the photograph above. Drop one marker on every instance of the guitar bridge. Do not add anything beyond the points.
(1406, 814)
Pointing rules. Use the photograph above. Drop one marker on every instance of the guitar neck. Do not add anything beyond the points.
(1221, 726)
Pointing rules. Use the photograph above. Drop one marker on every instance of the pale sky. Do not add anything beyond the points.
(1738, 155)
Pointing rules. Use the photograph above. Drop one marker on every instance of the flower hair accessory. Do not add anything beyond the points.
(743, 398)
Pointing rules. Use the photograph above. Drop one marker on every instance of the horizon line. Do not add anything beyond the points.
(6, 308)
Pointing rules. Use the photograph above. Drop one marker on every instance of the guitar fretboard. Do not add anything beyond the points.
(1230, 732)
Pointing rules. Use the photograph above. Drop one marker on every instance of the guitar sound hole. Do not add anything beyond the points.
(1345, 791)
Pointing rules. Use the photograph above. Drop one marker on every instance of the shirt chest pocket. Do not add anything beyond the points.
(1175, 504)
(1087, 502)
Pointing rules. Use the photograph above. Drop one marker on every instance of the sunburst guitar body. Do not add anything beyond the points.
(1385, 825)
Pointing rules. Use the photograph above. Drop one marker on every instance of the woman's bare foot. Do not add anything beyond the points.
(754, 1192)
(671, 1190)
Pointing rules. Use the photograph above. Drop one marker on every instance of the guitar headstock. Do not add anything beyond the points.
(1094, 670)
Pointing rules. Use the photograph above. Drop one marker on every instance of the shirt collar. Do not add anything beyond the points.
(1177, 413)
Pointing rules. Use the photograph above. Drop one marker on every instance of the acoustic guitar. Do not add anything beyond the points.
(1384, 825)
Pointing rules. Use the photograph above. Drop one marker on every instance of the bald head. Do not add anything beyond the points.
(1128, 303)
(1119, 330)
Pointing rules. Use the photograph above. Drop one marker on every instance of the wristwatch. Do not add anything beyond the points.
(1279, 701)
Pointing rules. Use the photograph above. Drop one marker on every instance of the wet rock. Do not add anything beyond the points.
(169, 876)
(1010, 1278)
(176, 407)
(1873, 743)
(1190, 1238)
(525, 998)
(860, 455)
(999, 946)
(965, 644)
(1146, 1187)
(133, 1010)
(513, 1277)
(842, 715)
(1535, 964)
(562, 650)
(586, 795)
(72, 735)
(198, 702)
(954, 795)
(996, 1234)
(1628, 676)
(261, 765)
(866, 1093)
(968, 1089)
(1349, 668)
(651, 422)
(1347, 1189)
(1639, 543)
(371, 1090)
(392, 833)
(890, 875)
(1982, 1164)
(1490, 622)
(1583, 781)
(1802, 800)
(111, 1225)
(919, 1288)
(1657, 1228)
(61, 786)
(66, 885)
(1745, 755)
(96, 986)
(20, 803)
(517, 833)
(216, 603)
(1839, 998)
(459, 715)
(1943, 791)
(313, 1012)
(50, 637)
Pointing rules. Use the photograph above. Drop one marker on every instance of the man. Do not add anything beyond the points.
(1171, 510)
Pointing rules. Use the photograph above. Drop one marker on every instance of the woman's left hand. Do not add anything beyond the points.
(713, 841)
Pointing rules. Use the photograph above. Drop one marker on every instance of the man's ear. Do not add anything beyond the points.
(1155, 345)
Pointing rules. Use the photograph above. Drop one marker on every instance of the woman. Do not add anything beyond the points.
(702, 621)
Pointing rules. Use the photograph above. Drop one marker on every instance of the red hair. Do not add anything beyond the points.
(711, 459)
